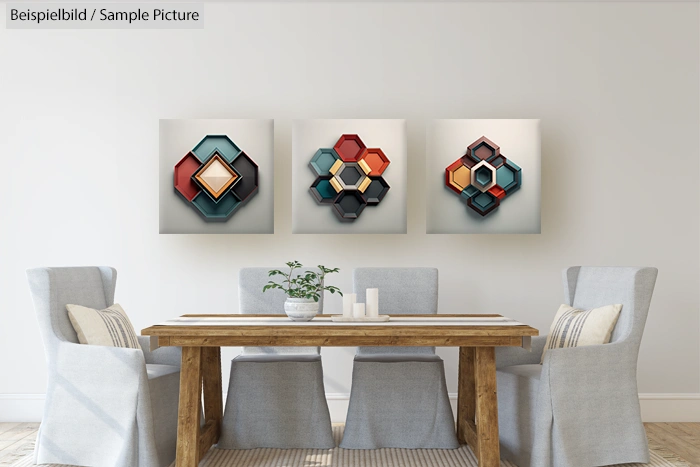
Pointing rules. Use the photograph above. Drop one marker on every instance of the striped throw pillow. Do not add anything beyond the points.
(110, 327)
(573, 327)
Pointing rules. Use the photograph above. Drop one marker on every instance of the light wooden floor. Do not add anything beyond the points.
(682, 439)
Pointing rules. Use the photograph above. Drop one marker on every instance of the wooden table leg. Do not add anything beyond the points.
(190, 407)
(466, 398)
(213, 400)
(489, 454)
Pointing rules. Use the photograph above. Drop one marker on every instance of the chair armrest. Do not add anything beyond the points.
(99, 373)
(162, 355)
(509, 356)
(614, 364)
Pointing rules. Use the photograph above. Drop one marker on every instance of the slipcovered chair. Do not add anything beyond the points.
(105, 406)
(276, 397)
(580, 408)
(399, 396)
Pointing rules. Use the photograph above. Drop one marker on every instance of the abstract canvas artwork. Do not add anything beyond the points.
(216, 178)
(349, 177)
(483, 176)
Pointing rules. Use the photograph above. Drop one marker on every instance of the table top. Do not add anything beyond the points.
(278, 325)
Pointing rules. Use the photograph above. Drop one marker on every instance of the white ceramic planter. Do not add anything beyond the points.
(301, 309)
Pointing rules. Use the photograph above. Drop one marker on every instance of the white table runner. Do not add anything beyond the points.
(325, 320)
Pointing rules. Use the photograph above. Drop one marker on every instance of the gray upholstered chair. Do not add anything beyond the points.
(580, 408)
(105, 406)
(399, 396)
(276, 397)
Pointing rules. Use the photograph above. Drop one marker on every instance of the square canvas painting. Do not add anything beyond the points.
(216, 176)
(483, 176)
(349, 176)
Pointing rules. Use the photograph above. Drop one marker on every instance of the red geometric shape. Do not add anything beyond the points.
(182, 178)
(498, 192)
(376, 160)
(349, 148)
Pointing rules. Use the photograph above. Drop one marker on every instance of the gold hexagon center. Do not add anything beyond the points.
(461, 177)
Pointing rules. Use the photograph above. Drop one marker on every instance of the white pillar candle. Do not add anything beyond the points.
(372, 303)
(358, 310)
(349, 300)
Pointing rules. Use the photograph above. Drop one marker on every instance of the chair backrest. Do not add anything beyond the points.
(591, 287)
(253, 301)
(405, 291)
(54, 288)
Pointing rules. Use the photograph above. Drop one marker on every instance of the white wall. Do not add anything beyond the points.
(615, 84)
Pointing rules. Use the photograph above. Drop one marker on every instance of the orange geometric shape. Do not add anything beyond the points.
(457, 176)
(376, 160)
(216, 176)
(349, 147)
(497, 191)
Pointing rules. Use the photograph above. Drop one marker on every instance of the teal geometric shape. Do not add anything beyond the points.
(323, 191)
(483, 203)
(326, 190)
(504, 176)
(469, 191)
(212, 211)
(484, 200)
(222, 143)
(483, 175)
(509, 177)
(323, 160)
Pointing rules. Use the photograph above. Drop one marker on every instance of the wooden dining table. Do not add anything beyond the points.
(202, 336)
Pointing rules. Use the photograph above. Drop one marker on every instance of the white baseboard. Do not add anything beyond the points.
(656, 407)
(675, 407)
(21, 407)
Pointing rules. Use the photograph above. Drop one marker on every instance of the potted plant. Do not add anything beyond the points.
(303, 289)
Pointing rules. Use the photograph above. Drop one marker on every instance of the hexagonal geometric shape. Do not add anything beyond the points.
(490, 176)
(323, 160)
(509, 177)
(483, 176)
(221, 143)
(349, 147)
(323, 191)
(216, 176)
(212, 211)
(346, 182)
(483, 203)
(375, 160)
(349, 204)
(376, 190)
(182, 177)
(483, 149)
(350, 176)
(247, 185)
(457, 176)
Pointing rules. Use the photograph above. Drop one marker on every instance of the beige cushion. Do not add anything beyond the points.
(110, 327)
(573, 327)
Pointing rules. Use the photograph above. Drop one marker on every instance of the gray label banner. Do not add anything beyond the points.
(105, 16)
